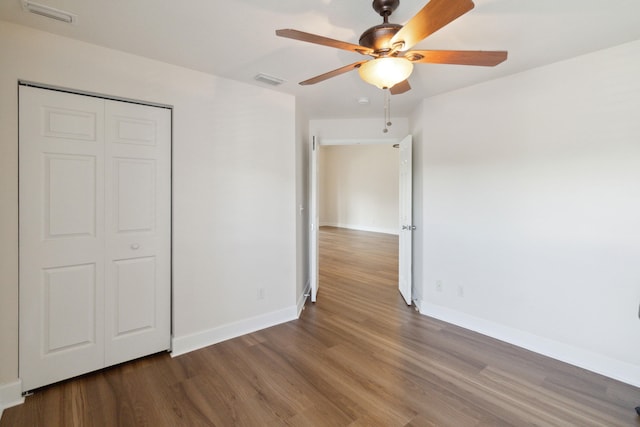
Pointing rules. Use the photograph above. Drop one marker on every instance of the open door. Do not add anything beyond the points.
(314, 217)
(406, 226)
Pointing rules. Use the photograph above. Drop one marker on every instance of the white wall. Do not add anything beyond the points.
(234, 190)
(531, 198)
(359, 187)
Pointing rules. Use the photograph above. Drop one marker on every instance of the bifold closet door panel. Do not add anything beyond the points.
(62, 239)
(138, 245)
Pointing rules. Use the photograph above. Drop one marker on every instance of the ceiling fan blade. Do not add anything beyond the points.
(487, 58)
(435, 15)
(337, 72)
(325, 41)
(401, 87)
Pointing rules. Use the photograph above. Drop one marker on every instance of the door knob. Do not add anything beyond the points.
(135, 246)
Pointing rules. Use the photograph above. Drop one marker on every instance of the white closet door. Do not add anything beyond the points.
(61, 236)
(138, 245)
(95, 233)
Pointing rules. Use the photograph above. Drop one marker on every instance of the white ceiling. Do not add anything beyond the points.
(236, 39)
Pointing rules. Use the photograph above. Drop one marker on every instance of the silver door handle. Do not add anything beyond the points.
(408, 227)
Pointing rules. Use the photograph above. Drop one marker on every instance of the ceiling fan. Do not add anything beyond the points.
(389, 45)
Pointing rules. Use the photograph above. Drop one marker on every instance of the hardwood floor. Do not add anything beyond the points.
(358, 357)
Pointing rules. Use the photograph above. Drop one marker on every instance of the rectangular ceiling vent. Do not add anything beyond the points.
(49, 12)
(270, 80)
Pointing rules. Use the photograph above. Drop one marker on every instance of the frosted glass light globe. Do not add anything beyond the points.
(386, 72)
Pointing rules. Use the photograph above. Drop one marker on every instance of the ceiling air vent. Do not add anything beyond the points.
(49, 12)
(270, 80)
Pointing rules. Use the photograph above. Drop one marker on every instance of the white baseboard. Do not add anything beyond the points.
(361, 228)
(185, 344)
(10, 395)
(303, 298)
(594, 362)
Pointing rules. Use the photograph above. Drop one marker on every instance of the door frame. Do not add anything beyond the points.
(38, 85)
(314, 211)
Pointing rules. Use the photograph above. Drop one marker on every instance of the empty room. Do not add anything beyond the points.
(164, 208)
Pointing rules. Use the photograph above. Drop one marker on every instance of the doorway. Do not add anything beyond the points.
(357, 187)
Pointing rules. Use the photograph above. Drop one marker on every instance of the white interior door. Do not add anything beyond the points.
(61, 235)
(406, 225)
(314, 216)
(137, 197)
(78, 196)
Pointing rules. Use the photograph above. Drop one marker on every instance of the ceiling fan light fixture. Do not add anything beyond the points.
(386, 72)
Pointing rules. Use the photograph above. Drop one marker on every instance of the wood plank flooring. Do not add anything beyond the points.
(358, 357)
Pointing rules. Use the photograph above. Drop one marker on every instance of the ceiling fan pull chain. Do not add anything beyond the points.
(385, 107)
(388, 107)
(387, 110)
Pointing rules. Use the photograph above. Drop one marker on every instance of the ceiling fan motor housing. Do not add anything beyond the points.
(378, 37)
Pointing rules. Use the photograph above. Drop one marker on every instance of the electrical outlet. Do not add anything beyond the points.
(460, 291)
(260, 293)
(439, 285)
